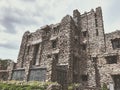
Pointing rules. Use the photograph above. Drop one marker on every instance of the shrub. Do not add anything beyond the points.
(72, 86)
(21, 85)
(104, 87)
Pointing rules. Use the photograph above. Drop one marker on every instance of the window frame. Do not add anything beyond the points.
(84, 47)
(115, 43)
(84, 77)
(54, 42)
(84, 33)
(111, 59)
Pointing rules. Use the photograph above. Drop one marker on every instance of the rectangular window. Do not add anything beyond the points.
(56, 57)
(28, 50)
(84, 46)
(54, 44)
(46, 32)
(115, 43)
(96, 23)
(48, 56)
(94, 59)
(111, 59)
(85, 33)
(84, 77)
(18, 75)
(95, 15)
(37, 74)
(97, 33)
(56, 30)
(116, 79)
(75, 68)
(36, 49)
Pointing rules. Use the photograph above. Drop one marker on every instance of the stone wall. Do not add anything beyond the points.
(23, 48)
(90, 32)
(44, 55)
(78, 42)
(108, 70)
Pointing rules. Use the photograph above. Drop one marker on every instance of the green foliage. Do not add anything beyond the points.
(104, 87)
(21, 85)
(4, 63)
(72, 86)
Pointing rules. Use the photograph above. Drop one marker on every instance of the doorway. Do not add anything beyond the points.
(116, 79)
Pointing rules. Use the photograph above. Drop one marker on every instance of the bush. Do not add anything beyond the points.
(21, 85)
(73, 86)
(104, 87)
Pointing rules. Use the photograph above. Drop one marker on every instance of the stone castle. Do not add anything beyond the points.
(76, 50)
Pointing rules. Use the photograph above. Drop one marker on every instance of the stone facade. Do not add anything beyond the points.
(76, 50)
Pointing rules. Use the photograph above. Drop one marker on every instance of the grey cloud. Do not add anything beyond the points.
(13, 17)
(9, 45)
(43, 12)
(49, 19)
(113, 11)
(7, 23)
(29, 0)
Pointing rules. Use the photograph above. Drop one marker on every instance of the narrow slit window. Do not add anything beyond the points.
(28, 50)
(54, 44)
(97, 33)
(36, 49)
(96, 23)
(84, 47)
(85, 33)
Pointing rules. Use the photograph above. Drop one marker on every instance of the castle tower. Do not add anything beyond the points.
(92, 43)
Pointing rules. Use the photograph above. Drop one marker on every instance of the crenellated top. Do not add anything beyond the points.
(76, 13)
(65, 20)
(48, 32)
(92, 11)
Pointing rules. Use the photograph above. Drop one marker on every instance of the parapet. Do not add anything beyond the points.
(76, 13)
(67, 19)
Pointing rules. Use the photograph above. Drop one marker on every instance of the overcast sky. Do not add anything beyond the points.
(18, 16)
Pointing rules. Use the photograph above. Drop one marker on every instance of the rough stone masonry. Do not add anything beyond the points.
(76, 50)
